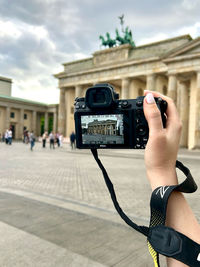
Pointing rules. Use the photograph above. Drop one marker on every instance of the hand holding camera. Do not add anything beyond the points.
(162, 148)
(104, 121)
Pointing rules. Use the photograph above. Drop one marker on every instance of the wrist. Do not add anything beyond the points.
(162, 177)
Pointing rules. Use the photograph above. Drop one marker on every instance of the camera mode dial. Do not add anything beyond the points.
(124, 104)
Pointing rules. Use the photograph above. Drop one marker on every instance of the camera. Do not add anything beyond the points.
(102, 120)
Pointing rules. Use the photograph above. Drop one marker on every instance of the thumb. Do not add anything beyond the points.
(152, 114)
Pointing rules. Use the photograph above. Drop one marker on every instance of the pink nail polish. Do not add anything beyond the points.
(150, 99)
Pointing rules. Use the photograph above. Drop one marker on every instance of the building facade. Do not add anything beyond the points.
(21, 114)
(171, 67)
(107, 127)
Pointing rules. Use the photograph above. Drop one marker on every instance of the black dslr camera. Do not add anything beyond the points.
(104, 121)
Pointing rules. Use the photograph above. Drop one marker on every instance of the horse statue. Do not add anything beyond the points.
(103, 41)
(119, 38)
(128, 37)
(109, 42)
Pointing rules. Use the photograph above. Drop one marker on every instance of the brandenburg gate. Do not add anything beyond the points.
(171, 67)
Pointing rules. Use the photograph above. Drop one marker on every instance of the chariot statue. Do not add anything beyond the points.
(125, 38)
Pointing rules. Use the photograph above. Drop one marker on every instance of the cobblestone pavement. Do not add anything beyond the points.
(75, 175)
(72, 180)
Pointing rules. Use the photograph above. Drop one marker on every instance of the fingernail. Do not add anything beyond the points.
(150, 99)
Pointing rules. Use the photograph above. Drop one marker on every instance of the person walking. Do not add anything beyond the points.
(72, 140)
(52, 140)
(10, 137)
(57, 139)
(6, 137)
(32, 140)
(61, 140)
(44, 139)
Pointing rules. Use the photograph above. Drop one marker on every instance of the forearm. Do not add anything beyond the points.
(181, 218)
(179, 214)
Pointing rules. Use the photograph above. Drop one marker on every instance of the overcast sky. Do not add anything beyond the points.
(37, 36)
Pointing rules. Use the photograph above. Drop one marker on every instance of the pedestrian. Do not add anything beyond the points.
(61, 140)
(57, 139)
(10, 137)
(32, 139)
(72, 140)
(52, 140)
(6, 136)
(44, 139)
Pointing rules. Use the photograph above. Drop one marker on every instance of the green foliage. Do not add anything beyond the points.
(42, 123)
(50, 124)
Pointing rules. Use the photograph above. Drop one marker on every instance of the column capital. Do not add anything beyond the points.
(126, 79)
(151, 74)
(172, 73)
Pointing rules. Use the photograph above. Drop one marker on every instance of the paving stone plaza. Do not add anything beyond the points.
(55, 209)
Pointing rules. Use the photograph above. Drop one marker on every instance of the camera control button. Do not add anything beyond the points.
(77, 106)
(139, 112)
(145, 139)
(139, 103)
(83, 106)
(124, 104)
(141, 129)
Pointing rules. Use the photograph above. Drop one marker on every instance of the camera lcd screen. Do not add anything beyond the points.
(102, 129)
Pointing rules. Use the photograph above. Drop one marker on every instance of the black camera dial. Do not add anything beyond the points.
(141, 129)
(139, 103)
(125, 104)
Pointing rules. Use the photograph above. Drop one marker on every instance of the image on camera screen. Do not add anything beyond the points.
(102, 129)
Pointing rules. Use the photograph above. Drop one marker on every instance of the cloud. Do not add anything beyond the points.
(36, 36)
(194, 30)
(8, 30)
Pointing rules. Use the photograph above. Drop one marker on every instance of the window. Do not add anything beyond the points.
(25, 116)
(12, 115)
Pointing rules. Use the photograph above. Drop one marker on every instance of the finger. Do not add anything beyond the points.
(152, 114)
(173, 119)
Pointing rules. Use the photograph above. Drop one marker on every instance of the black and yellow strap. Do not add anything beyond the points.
(165, 240)
(161, 239)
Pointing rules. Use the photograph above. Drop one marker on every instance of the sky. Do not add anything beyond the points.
(38, 36)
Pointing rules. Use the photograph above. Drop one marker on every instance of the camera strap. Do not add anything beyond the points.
(160, 238)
